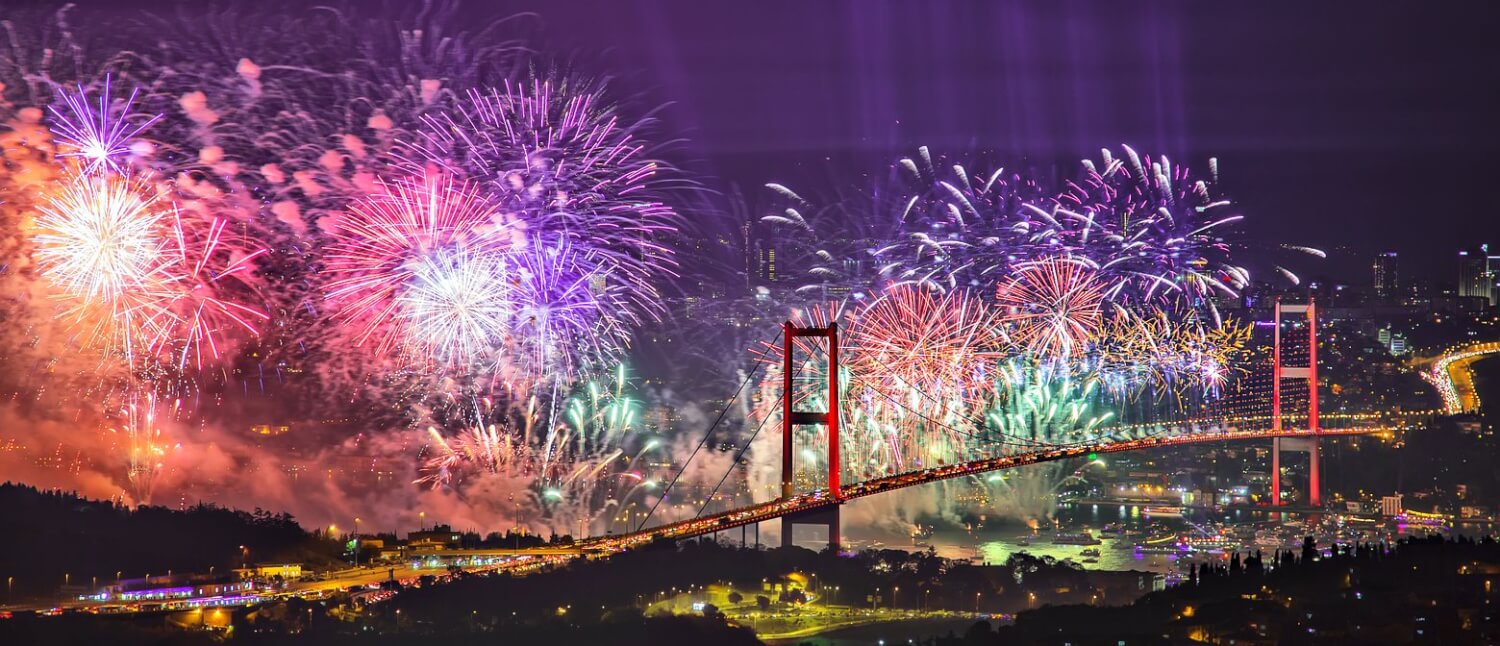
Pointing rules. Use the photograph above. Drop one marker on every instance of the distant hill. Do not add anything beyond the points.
(50, 535)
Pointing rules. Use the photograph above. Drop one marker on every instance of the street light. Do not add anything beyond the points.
(976, 601)
(422, 517)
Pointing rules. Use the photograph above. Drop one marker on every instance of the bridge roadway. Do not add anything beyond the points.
(821, 499)
(1453, 377)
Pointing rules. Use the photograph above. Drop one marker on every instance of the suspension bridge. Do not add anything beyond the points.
(1293, 377)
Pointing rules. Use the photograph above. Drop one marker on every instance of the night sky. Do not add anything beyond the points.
(1350, 126)
(1337, 124)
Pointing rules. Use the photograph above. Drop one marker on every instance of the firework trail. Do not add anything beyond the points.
(147, 448)
(571, 471)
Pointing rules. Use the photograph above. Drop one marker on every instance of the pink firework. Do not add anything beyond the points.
(380, 252)
(194, 302)
(938, 342)
(1053, 306)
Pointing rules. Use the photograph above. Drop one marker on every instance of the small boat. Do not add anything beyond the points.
(1091, 560)
(1091, 552)
(1023, 541)
(1158, 549)
(1080, 538)
(1213, 543)
(1162, 512)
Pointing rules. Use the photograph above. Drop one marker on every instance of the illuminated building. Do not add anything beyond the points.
(1387, 277)
(1475, 278)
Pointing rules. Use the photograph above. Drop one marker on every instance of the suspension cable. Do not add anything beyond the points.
(738, 456)
(709, 433)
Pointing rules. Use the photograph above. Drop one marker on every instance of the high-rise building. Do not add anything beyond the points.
(765, 263)
(1387, 278)
(1398, 344)
(1475, 278)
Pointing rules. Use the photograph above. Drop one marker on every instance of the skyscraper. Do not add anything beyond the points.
(1475, 279)
(1387, 278)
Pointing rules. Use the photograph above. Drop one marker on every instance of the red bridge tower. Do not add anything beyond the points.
(1308, 373)
(790, 418)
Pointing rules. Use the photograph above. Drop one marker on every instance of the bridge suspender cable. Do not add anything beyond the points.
(737, 457)
(709, 433)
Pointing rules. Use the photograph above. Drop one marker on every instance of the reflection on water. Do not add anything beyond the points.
(998, 539)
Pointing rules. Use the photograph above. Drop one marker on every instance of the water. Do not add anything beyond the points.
(998, 539)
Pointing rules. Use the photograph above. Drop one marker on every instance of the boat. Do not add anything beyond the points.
(1162, 512)
(1160, 544)
(1158, 549)
(1023, 541)
(1091, 560)
(1090, 552)
(1212, 543)
(1080, 538)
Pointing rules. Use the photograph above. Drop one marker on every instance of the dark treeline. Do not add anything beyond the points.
(51, 535)
(620, 630)
(1432, 591)
(596, 588)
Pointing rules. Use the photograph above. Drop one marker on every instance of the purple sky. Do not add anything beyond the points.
(1336, 123)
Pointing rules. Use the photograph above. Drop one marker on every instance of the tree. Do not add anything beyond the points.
(763, 602)
(979, 633)
(735, 597)
(710, 610)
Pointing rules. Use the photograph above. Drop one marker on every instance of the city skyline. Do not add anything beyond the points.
(672, 322)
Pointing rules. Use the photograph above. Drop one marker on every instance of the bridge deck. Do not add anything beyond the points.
(815, 500)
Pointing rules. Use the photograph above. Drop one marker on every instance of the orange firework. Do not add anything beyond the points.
(937, 342)
(1053, 306)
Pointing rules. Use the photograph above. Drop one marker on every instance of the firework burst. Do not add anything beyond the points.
(99, 241)
(399, 250)
(560, 158)
(571, 317)
(458, 303)
(1053, 306)
(935, 342)
(100, 135)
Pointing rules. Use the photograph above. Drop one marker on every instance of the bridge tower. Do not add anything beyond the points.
(1308, 373)
(791, 418)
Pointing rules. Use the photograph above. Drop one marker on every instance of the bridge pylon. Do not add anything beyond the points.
(1308, 373)
(791, 418)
